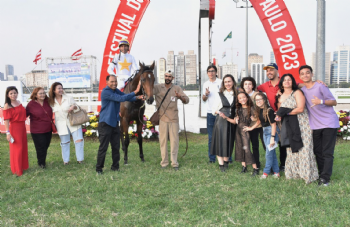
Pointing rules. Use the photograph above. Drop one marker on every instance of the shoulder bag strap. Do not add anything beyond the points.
(42, 106)
(164, 98)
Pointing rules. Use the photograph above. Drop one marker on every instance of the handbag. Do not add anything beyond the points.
(53, 126)
(78, 118)
(155, 117)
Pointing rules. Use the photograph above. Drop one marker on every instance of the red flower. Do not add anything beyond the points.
(136, 135)
(339, 131)
(84, 130)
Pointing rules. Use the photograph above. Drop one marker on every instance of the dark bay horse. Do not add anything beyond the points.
(133, 111)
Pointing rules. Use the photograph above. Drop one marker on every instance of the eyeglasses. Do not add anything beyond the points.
(211, 71)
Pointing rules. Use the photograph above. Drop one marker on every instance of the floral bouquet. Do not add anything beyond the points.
(148, 130)
(90, 128)
(344, 122)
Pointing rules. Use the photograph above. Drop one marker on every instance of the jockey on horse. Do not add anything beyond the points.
(124, 64)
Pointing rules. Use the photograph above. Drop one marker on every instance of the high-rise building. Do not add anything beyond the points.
(170, 62)
(180, 78)
(191, 68)
(10, 78)
(219, 72)
(37, 78)
(254, 58)
(340, 66)
(312, 63)
(230, 68)
(161, 69)
(243, 74)
(258, 73)
(272, 57)
(2, 78)
(15, 78)
(9, 70)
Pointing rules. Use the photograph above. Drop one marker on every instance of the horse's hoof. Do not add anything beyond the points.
(125, 162)
(142, 160)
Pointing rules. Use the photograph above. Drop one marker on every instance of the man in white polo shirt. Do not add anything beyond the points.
(210, 95)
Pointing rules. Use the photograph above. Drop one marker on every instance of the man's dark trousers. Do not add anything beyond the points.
(108, 134)
(324, 143)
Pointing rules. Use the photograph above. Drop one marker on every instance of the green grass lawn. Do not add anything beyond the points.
(142, 194)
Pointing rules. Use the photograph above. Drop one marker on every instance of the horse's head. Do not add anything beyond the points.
(147, 81)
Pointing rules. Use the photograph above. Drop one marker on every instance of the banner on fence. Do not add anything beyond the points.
(124, 26)
(282, 34)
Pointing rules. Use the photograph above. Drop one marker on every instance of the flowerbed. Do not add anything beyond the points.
(148, 130)
(344, 122)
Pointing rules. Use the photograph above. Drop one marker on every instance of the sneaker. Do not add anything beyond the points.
(323, 182)
(276, 175)
(264, 176)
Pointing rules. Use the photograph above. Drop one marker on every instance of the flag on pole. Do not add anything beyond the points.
(223, 54)
(229, 36)
(37, 57)
(77, 55)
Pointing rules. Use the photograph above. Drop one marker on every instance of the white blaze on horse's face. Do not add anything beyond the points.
(149, 75)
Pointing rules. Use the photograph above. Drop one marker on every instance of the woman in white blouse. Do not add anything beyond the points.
(61, 105)
(224, 132)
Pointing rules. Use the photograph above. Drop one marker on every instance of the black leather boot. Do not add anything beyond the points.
(222, 168)
(226, 165)
(244, 169)
(255, 172)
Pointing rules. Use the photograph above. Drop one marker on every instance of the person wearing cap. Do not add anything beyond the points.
(168, 118)
(124, 64)
(271, 89)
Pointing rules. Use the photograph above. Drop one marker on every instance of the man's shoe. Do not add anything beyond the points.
(323, 182)
(42, 166)
(211, 162)
(230, 162)
(115, 169)
(282, 168)
(176, 168)
(100, 172)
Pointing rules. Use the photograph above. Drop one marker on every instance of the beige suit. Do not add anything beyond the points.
(169, 121)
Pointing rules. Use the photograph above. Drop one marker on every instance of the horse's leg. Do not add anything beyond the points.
(125, 139)
(139, 139)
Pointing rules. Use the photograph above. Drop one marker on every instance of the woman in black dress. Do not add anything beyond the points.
(224, 132)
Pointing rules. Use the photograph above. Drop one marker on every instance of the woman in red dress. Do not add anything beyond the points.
(15, 116)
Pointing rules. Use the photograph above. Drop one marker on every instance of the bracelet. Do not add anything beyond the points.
(272, 136)
(321, 101)
(7, 133)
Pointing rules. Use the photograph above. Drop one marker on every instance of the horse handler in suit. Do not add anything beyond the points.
(168, 118)
(108, 126)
